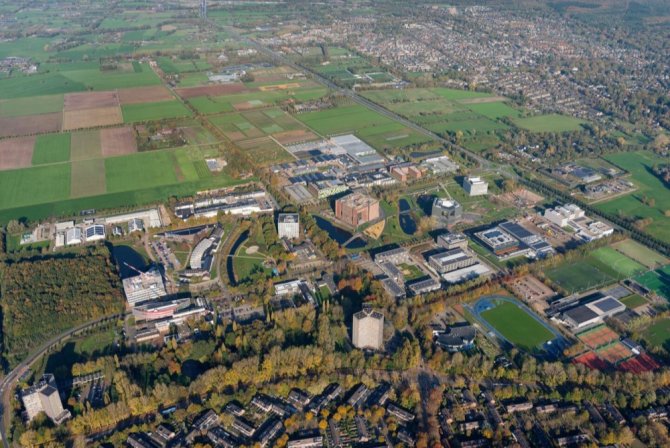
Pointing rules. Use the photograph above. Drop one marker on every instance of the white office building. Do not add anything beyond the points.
(288, 226)
(475, 186)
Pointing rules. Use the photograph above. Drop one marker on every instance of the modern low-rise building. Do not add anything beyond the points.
(450, 260)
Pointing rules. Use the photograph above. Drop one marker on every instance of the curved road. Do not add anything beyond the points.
(8, 383)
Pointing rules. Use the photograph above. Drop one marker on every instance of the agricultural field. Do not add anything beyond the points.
(517, 326)
(154, 111)
(220, 98)
(549, 123)
(476, 115)
(376, 130)
(634, 206)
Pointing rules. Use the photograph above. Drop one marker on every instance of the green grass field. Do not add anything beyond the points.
(580, 275)
(51, 148)
(641, 254)
(140, 170)
(31, 105)
(632, 206)
(154, 111)
(633, 301)
(344, 119)
(657, 281)
(517, 326)
(658, 334)
(34, 185)
(549, 123)
(618, 261)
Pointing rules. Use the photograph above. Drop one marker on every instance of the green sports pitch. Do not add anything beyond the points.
(517, 326)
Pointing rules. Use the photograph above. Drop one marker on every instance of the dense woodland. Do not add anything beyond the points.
(43, 297)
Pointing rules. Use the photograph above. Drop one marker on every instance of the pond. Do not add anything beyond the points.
(126, 255)
(229, 260)
(338, 234)
(407, 223)
(404, 206)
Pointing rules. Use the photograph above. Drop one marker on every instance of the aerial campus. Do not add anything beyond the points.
(346, 224)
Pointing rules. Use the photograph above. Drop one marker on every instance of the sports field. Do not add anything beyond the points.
(618, 261)
(549, 123)
(633, 301)
(517, 326)
(580, 275)
(641, 254)
(632, 205)
(658, 334)
(657, 281)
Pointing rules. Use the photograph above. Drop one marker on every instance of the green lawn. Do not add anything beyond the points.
(549, 123)
(640, 253)
(51, 148)
(154, 111)
(633, 301)
(517, 326)
(618, 261)
(658, 281)
(580, 275)
(632, 206)
(658, 334)
(342, 119)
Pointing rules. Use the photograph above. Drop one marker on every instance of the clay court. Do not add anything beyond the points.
(117, 141)
(85, 145)
(137, 95)
(90, 118)
(530, 288)
(90, 100)
(640, 364)
(614, 353)
(31, 124)
(598, 337)
(216, 90)
(16, 152)
(590, 360)
(293, 137)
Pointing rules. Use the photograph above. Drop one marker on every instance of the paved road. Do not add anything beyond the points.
(8, 383)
